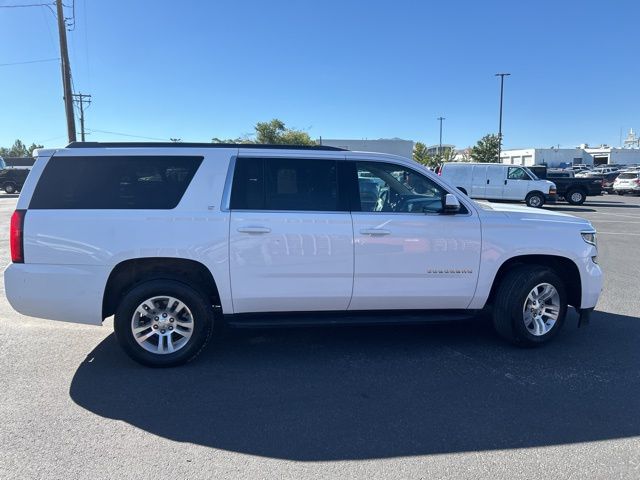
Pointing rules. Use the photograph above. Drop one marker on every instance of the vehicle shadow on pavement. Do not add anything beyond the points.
(571, 209)
(361, 393)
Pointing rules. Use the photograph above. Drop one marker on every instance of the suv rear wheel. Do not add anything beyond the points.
(530, 306)
(9, 188)
(163, 323)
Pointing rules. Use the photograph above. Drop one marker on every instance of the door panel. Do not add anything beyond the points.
(496, 177)
(479, 181)
(424, 262)
(290, 261)
(517, 184)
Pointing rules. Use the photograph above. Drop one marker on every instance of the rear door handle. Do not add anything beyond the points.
(505, 182)
(374, 231)
(254, 230)
(487, 181)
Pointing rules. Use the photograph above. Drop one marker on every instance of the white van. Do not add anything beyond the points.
(498, 181)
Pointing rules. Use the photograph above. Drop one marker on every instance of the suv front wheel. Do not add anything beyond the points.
(163, 323)
(530, 306)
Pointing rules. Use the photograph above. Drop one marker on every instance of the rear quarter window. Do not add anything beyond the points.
(114, 182)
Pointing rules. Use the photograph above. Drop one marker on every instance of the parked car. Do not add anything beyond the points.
(12, 179)
(598, 171)
(579, 168)
(574, 190)
(497, 181)
(255, 235)
(627, 182)
(608, 179)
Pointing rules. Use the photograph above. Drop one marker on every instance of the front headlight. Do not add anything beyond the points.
(590, 238)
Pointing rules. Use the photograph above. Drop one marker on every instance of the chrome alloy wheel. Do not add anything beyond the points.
(576, 197)
(541, 309)
(535, 201)
(162, 324)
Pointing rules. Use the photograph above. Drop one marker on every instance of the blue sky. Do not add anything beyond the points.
(338, 69)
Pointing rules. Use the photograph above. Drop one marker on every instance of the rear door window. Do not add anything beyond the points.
(114, 182)
(286, 184)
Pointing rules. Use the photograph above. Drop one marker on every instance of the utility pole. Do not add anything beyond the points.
(82, 100)
(501, 75)
(66, 73)
(440, 147)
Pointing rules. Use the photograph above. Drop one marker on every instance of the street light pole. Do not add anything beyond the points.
(440, 147)
(501, 75)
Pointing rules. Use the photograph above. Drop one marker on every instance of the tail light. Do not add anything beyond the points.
(16, 236)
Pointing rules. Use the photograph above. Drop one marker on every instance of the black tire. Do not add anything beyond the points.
(575, 196)
(201, 310)
(620, 192)
(535, 200)
(511, 294)
(9, 188)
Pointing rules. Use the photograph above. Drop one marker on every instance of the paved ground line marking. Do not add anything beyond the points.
(618, 233)
(616, 215)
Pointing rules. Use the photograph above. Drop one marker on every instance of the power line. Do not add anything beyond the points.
(126, 134)
(30, 61)
(27, 6)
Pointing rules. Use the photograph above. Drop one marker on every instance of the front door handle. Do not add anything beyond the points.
(487, 181)
(254, 230)
(374, 231)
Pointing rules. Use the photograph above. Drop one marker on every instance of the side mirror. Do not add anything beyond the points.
(451, 204)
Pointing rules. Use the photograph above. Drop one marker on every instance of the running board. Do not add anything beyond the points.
(346, 318)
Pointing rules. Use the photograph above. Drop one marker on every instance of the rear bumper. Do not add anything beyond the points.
(69, 293)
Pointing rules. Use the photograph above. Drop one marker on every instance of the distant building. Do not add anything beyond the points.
(565, 157)
(393, 146)
(632, 140)
(434, 150)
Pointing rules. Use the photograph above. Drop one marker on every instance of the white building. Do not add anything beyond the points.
(584, 154)
(394, 146)
(553, 157)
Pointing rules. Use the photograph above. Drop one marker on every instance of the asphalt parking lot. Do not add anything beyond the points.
(426, 402)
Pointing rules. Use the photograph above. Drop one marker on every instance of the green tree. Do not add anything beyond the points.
(19, 149)
(275, 132)
(486, 150)
(421, 155)
(33, 147)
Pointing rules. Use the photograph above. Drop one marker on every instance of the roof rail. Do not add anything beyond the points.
(198, 145)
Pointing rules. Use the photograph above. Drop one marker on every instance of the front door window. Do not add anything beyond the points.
(386, 187)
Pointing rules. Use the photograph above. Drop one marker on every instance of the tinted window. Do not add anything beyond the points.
(122, 182)
(285, 184)
(385, 187)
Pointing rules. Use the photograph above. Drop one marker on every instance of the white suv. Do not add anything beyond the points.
(172, 237)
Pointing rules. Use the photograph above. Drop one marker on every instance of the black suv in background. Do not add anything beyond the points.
(12, 179)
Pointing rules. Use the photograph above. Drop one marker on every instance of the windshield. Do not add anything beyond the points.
(2, 164)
